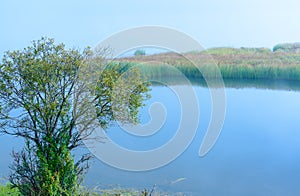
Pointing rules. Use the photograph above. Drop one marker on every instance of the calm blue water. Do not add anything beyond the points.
(257, 153)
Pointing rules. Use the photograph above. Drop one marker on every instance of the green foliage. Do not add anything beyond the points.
(122, 94)
(287, 47)
(139, 53)
(36, 174)
(45, 85)
(8, 190)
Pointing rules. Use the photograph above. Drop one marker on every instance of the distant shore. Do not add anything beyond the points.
(232, 63)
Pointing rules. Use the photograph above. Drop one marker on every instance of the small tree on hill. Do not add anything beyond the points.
(139, 53)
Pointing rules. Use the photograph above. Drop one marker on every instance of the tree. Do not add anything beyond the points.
(139, 53)
(287, 47)
(43, 99)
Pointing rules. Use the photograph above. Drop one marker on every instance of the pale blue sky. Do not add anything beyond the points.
(213, 23)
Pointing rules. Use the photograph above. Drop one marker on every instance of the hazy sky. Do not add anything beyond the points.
(213, 23)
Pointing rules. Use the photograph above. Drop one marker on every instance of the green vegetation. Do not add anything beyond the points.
(53, 91)
(8, 190)
(295, 48)
(233, 63)
(139, 53)
(242, 50)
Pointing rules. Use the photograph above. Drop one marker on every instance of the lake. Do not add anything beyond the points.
(257, 152)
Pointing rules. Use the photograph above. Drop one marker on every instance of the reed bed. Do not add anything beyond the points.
(244, 63)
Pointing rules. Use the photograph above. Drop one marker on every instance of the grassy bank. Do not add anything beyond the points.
(8, 190)
(243, 63)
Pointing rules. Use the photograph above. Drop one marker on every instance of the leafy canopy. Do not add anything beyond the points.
(43, 99)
